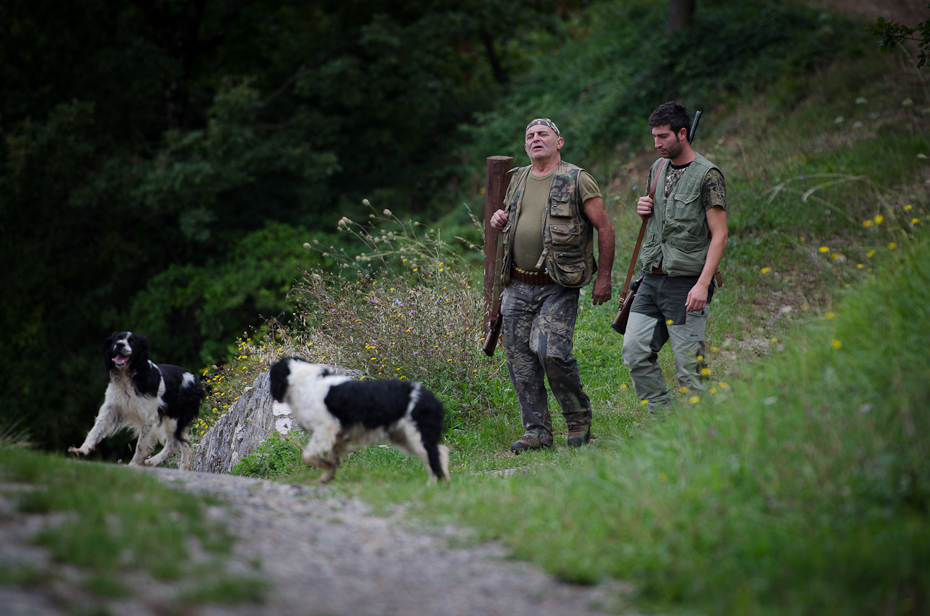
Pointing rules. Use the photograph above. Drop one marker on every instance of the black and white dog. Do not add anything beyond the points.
(156, 401)
(345, 414)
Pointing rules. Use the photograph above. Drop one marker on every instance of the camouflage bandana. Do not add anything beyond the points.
(544, 122)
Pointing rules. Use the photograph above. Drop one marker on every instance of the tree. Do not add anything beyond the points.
(162, 163)
(680, 14)
(892, 34)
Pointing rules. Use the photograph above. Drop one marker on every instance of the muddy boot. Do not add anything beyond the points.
(579, 435)
(527, 442)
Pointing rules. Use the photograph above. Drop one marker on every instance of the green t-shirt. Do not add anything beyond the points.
(528, 237)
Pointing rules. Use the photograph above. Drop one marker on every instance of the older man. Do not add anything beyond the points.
(550, 212)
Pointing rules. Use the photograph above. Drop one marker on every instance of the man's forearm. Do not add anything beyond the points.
(605, 253)
(714, 256)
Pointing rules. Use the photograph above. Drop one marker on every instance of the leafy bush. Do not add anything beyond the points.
(405, 308)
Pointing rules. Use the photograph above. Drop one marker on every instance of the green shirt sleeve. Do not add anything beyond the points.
(587, 186)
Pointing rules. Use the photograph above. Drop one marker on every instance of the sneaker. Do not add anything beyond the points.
(527, 443)
(579, 435)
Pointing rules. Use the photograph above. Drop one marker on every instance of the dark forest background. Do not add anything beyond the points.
(164, 161)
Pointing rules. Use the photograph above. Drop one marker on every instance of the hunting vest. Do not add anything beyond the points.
(677, 234)
(568, 236)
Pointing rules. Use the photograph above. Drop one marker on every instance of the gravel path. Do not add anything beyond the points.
(331, 556)
(327, 556)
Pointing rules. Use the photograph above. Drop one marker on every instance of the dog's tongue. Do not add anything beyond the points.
(119, 360)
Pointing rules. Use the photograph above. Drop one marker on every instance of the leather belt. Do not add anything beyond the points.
(530, 277)
(657, 270)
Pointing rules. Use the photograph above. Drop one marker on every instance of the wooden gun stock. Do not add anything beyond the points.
(494, 332)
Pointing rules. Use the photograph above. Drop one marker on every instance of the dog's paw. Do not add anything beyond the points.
(78, 451)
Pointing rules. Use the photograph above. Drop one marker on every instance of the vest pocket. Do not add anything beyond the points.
(564, 234)
(687, 208)
(570, 268)
(688, 243)
(560, 208)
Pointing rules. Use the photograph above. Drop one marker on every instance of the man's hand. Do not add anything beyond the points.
(697, 297)
(644, 207)
(602, 290)
(499, 219)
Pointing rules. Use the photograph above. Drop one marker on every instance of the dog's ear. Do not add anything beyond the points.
(106, 349)
(140, 346)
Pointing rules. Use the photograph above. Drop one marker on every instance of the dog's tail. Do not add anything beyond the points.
(428, 413)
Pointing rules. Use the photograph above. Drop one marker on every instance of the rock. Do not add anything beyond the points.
(253, 418)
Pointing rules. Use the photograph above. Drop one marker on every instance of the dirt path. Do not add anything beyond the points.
(320, 555)
(331, 556)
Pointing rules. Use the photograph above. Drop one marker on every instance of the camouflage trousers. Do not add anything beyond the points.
(538, 327)
(658, 315)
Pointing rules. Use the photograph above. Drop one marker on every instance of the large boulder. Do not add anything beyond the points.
(253, 418)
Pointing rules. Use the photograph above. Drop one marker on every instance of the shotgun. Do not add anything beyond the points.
(494, 330)
(629, 289)
(498, 169)
(497, 319)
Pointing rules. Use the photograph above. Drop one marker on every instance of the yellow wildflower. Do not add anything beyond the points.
(836, 344)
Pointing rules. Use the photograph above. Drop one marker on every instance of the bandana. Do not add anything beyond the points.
(544, 122)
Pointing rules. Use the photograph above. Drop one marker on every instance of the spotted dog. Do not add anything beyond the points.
(345, 414)
(158, 402)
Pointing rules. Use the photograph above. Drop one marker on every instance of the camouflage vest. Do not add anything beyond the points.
(677, 234)
(568, 237)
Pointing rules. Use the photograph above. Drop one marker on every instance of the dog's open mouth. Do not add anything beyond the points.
(121, 360)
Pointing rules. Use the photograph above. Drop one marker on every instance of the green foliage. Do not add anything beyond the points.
(134, 174)
(210, 303)
(601, 76)
(892, 34)
(276, 457)
(412, 312)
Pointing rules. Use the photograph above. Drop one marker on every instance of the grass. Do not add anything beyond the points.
(117, 527)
